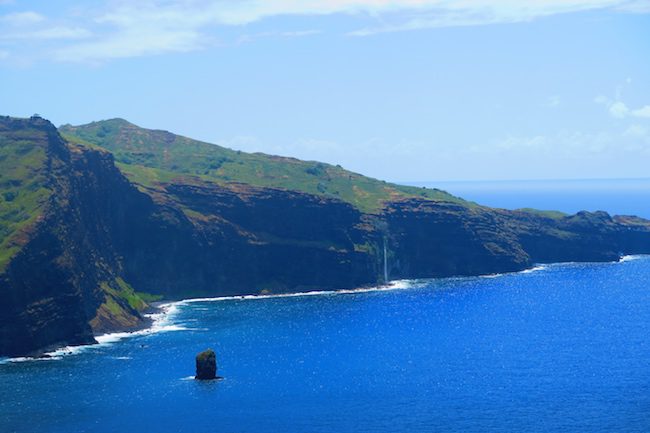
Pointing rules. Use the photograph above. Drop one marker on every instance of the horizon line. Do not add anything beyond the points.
(411, 182)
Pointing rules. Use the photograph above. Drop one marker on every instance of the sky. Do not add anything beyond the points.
(403, 90)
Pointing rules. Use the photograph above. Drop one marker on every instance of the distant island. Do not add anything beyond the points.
(99, 221)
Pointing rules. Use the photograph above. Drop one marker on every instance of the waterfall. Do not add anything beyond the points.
(385, 264)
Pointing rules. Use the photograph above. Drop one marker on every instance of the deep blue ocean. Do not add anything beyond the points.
(561, 348)
(616, 196)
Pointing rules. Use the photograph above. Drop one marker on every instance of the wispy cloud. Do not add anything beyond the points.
(563, 143)
(293, 34)
(619, 110)
(637, 131)
(568, 145)
(132, 43)
(641, 112)
(19, 27)
(58, 32)
(21, 18)
(636, 6)
(553, 101)
(485, 12)
(121, 28)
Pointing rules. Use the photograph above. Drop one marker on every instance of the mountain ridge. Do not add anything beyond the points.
(111, 236)
(141, 150)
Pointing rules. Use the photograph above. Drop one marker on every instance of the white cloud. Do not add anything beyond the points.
(619, 110)
(600, 99)
(553, 101)
(636, 6)
(642, 112)
(21, 26)
(248, 11)
(126, 28)
(570, 144)
(293, 34)
(49, 33)
(570, 153)
(21, 18)
(134, 43)
(561, 144)
(637, 131)
(441, 13)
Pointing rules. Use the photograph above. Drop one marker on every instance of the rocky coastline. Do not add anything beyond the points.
(105, 246)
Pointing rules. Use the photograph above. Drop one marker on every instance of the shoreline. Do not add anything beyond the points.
(158, 320)
(161, 313)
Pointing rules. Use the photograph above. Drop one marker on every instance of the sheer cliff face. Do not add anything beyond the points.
(240, 239)
(64, 276)
(89, 241)
(443, 239)
(47, 293)
(96, 240)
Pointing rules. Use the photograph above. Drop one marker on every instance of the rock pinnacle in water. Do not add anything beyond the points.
(206, 365)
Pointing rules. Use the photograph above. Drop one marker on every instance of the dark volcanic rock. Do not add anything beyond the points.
(100, 239)
(54, 286)
(206, 365)
(439, 239)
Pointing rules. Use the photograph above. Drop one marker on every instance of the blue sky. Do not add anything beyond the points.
(410, 90)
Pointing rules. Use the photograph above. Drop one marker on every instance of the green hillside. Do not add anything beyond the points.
(23, 190)
(149, 157)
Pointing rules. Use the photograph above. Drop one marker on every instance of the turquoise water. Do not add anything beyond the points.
(561, 348)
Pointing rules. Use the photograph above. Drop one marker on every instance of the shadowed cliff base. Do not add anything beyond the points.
(108, 238)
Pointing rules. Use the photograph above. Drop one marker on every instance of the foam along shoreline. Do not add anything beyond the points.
(535, 268)
(391, 286)
(161, 319)
(632, 257)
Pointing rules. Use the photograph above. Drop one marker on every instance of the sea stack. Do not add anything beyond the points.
(206, 365)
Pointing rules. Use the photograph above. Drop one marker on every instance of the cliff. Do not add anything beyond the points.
(98, 221)
(60, 279)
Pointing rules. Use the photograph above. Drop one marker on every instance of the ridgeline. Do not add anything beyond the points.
(98, 220)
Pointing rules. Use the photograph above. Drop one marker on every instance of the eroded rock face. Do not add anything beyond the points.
(184, 238)
(206, 365)
(67, 262)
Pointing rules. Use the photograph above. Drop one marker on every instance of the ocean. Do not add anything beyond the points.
(616, 196)
(559, 348)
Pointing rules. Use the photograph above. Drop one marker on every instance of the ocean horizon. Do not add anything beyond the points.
(615, 196)
(201, 229)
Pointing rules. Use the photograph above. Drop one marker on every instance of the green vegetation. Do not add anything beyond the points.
(126, 293)
(150, 158)
(148, 297)
(554, 214)
(120, 304)
(23, 190)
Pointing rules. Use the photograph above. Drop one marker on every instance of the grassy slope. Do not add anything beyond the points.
(149, 157)
(554, 214)
(23, 190)
(121, 306)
